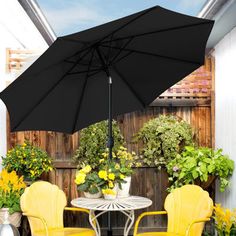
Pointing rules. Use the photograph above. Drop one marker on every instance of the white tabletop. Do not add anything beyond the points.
(118, 204)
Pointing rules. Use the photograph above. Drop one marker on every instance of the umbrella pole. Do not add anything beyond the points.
(110, 143)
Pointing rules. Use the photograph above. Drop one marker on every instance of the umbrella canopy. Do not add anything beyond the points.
(143, 54)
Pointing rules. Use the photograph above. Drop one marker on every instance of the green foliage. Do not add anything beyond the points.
(93, 142)
(124, 160)
(28, 160)
(163, 138)
(199, 163)
(92, 183)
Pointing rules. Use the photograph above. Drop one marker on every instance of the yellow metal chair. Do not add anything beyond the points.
(44, 203)
(187, 208)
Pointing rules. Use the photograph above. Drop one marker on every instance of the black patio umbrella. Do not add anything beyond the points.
(115, 68)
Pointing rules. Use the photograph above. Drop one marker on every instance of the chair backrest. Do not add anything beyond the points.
(45, 200)
(185, 205)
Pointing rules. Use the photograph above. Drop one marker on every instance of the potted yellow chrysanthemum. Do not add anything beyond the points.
(11, 189)
(88, 182)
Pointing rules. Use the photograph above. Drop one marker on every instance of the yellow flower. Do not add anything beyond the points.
(117, 166)
(101, 160)
(80, 178)
(102, 174)
(109, 191)
(138, 164)
(122, 148)
(87, 169)
(122, 176)
(105, 155)
(11, 183)
(111, 176)
(110, 184)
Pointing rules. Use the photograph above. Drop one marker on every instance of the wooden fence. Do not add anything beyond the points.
(148, 182)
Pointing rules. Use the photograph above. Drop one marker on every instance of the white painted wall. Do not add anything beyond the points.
(225, 123)
(17, 32)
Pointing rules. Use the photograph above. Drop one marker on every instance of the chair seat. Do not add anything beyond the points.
(66, 232)
(158, 234)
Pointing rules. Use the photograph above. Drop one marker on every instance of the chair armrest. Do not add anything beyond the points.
(39, 218)
(79, 210)
(150, 213)
(76, 209)
(195, 222)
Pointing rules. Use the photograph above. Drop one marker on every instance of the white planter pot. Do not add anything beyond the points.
(112, 196)
(95, 195)
(124, 192)
(109, 196)
(14, 219)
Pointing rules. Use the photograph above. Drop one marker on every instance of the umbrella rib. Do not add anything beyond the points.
(158, 31)
(121, 27)
(48, 92)
(83, 92)
(97, 42)
(123, 47)
(84, 71)
(155, 55)
(121, 58)
(130, 87)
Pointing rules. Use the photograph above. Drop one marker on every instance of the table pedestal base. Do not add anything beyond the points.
(94, 222)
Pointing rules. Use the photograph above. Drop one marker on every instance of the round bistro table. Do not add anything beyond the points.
(126, 205)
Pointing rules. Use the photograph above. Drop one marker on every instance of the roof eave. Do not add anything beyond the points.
(223, 12)
(34, 12)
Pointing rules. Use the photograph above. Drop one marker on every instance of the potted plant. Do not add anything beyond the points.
(93, 142)
(199, 165)
(225, 221)
(110, 177)
(163, 138)
(89, 182)
(11, 189)
(122, 165)
(109, 194)
(28, 161)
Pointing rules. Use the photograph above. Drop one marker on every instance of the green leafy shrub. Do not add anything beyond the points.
(163, 138)
(93, 142)
(27, 160)
(199, 164)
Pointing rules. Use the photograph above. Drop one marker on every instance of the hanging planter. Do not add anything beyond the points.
(205, 185)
